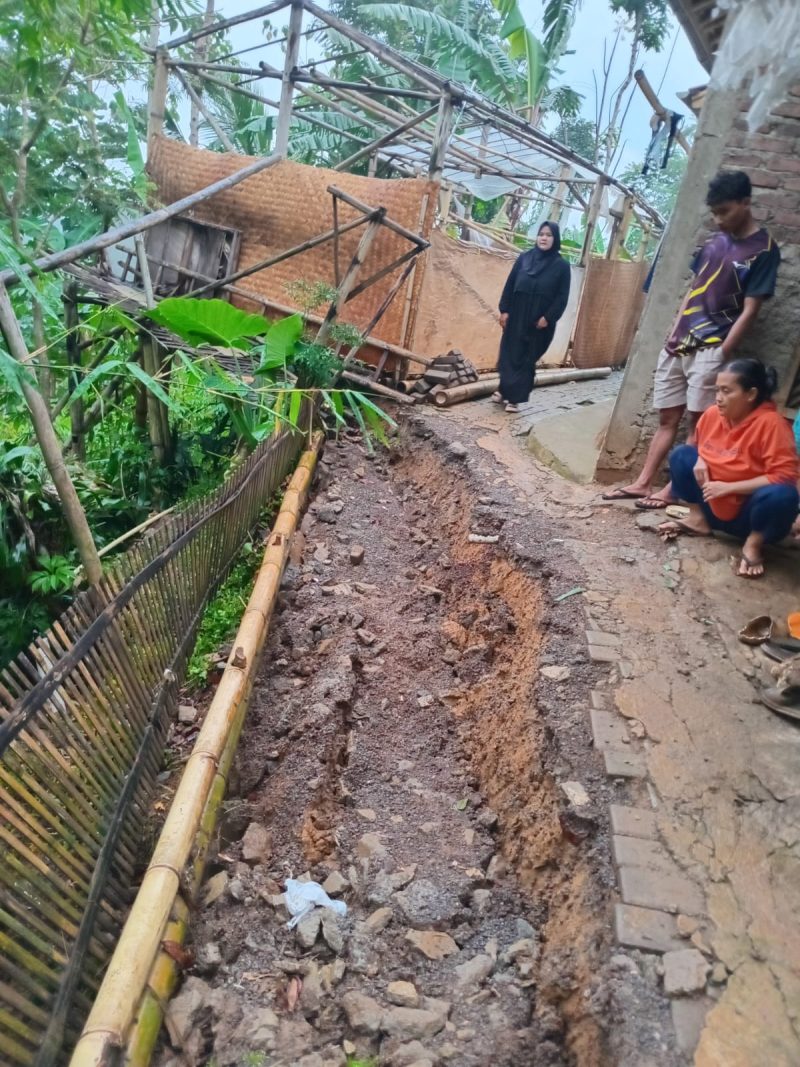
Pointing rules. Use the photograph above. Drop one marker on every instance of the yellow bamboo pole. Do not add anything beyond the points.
(136, 959)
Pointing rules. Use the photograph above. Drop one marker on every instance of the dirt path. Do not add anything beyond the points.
(418, 743)
(713, 775)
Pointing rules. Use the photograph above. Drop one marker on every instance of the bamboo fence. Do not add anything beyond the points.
(84, 714)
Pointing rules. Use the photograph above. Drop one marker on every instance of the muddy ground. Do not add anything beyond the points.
(418, 742)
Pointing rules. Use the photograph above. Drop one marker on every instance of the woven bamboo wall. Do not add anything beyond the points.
(458, 304)
(288, 204)
(609, 312)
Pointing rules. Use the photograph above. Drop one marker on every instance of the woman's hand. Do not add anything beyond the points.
(542, 324)
(701, 472)
(712, 490)
(503, 319)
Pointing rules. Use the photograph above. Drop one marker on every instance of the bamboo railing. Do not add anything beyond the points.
(84, 714)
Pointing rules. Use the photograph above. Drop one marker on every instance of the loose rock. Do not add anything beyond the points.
(335, 884)
(356, 555)
(363, 1013)
(426, 905)
(432, 944)
(685, 971)
(474, 971)
(402, 994)
(256, 844)
(187, 713)
(307, 929)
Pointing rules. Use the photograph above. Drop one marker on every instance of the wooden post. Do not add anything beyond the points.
(592, 216)
(158, 96)
(620, 230)
(644, 242)
(287, 87)
(74, 359)
(349, 280)
(74, 515)
(441, 137)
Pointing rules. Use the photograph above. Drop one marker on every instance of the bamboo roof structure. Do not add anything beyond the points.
(422, 122)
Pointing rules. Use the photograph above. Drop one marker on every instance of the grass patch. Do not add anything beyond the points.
(222, 615)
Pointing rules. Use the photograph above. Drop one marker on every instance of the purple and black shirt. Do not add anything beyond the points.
(725, 272)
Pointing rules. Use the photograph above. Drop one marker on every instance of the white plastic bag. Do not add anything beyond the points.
(761, 47)
(303, 897)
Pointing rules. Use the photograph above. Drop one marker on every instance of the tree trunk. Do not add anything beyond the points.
(74, 514)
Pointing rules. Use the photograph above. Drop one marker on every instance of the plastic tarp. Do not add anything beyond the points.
(761, 47)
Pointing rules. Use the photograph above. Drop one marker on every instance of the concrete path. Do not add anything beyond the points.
(707, 831)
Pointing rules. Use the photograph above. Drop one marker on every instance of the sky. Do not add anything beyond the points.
(669, 72)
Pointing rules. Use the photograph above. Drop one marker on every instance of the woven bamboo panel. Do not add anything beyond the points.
(609, 313)
(84, 714)
(287, 205)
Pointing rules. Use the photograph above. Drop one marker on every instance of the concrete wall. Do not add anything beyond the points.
(771, 158)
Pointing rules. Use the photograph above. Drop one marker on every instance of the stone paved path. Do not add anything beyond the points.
(707, 830)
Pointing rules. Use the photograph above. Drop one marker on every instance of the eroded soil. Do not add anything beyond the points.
(414, 742)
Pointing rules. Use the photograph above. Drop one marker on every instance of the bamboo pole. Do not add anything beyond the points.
(224, 24)
(383, 390)
(76, 408)
(74, 515)
(349, 280)
(620, 230)
(287, 79)
(592, 216)
(115, 1007)
(386, 138)
(157, 104)
(395, 288)
(143, 223)
(201, 109)
(272, 261)
(445, 398)
(441, 137)
(409, 324)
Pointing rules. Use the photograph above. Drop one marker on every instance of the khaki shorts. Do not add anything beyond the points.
(687, 381)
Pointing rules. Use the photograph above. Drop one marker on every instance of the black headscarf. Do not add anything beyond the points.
(536, 259)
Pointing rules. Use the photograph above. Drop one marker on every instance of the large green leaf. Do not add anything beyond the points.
(282, 337)
(212, 322)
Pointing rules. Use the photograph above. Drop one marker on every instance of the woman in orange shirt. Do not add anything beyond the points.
(741, 478)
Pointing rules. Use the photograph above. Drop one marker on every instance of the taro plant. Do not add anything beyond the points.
(261, 371)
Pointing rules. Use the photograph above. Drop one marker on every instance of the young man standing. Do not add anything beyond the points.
(734, 272)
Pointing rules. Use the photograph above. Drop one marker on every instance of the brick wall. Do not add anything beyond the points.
(771, 157)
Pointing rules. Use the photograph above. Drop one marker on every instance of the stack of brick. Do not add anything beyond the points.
(445, 372)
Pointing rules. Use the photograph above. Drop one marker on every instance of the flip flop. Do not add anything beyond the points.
(682, 529)
(512, 409)
(781, 648)
(651, 503)
(496, 398)
(785, 703)
(737, 567)
(622, 494)
(758, 630)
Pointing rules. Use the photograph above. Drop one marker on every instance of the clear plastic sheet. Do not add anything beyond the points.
(760, 49)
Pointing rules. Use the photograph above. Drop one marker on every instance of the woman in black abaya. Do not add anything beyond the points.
(534, 299)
